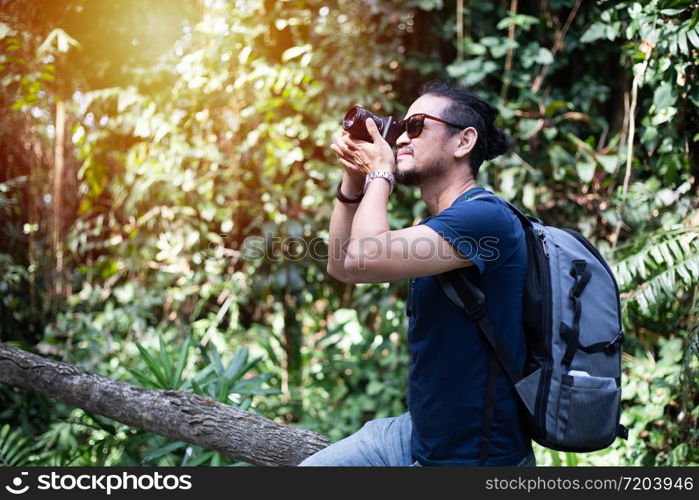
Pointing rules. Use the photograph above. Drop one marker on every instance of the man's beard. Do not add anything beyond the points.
(413, 177)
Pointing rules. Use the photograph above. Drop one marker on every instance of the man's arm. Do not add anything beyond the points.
(341, 225)
(376, 254)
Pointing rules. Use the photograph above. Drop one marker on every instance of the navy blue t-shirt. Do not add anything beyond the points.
(448, 355)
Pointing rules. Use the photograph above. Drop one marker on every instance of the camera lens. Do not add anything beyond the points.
(351, 117)
(355, 123)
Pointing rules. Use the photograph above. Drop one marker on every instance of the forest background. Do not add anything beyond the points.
(166, 186)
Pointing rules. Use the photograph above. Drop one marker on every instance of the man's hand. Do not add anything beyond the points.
(360, 158)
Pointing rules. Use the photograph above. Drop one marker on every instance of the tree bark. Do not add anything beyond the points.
(177, 415)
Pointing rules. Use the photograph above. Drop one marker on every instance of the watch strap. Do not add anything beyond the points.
(383, 174)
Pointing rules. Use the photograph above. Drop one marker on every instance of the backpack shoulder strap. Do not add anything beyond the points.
(468, 296)
(526, 220)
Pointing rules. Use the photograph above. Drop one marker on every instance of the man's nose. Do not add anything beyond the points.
(403, 140)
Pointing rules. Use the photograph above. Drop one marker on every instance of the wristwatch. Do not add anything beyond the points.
(384, 174)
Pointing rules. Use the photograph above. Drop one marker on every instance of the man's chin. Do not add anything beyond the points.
(407, 177)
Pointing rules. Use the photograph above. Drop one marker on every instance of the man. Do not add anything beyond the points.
(448, 134)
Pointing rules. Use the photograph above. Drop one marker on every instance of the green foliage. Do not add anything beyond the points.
(12, 278)
(663, 412)
(161, 367)
(14, 447)
(358, 373)
(659, 267)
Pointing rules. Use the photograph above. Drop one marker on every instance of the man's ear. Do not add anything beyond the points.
(467, 141)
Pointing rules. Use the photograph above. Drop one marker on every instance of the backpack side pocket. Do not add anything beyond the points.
(590, 400)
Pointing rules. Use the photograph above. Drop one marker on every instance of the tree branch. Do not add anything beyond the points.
(178, 415)
(647, 48)
(508, 58)
(557, 45)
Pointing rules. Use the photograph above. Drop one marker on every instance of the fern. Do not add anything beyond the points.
(14, 447)
(658, 266)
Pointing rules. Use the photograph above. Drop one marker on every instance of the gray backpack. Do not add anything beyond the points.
(571, 385)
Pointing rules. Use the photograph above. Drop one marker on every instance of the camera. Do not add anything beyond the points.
(354, 122)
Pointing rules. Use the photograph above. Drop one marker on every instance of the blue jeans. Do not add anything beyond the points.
(382, 442)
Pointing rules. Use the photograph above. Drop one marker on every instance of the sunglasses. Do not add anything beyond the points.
(414, 124)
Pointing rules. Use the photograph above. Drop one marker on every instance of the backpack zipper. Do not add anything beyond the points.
(542, 391)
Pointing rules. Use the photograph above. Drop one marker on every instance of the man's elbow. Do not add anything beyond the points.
(354, 270)
(338, 272)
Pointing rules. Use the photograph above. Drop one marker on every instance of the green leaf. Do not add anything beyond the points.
(145, 381)
(182, 362)
(5, 30)
(256, 391)
(102, 422)
(527, 128)
(664, 96)
(671, 12)
(153, 366)
(294, 52)
(609, 163)
(471, 71)
(529, 197)
(521, 20)
(375, 387)
(236, 366)
(63, 42)
(673, 46)
(13, 447)
(165, 360)
(198, 460)
(501, 49)
(612, 31)
(595, 32)
(217, 361)
(571, 459)
(693, 37)
(682, 41)
(164, 450)
(586, 170)
(427, 5)
(18, 457)
(198, 389)
(544, 56)
(244, 55)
